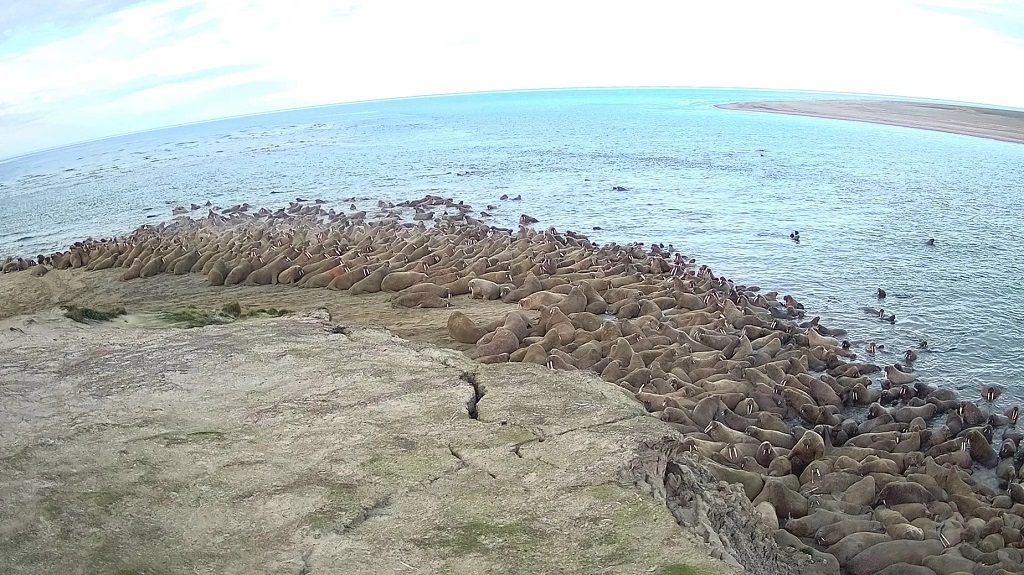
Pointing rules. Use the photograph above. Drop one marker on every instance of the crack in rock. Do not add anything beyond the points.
(478, 394)
(465, 464)
(540, 437)
(599, 424)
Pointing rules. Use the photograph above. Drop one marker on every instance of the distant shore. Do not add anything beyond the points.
(992, 123)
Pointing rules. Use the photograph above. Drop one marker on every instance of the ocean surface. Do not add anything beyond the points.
(726, 187)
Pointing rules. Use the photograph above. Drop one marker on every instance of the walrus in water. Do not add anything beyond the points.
(897, 377)
(991, 392)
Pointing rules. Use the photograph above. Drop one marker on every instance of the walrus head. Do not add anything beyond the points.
(991, 392)
(765, 454)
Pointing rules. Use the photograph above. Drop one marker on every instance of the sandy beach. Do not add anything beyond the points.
(361, 393)
(992, 123)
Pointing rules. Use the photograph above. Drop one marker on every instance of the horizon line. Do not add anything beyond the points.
(6, 159)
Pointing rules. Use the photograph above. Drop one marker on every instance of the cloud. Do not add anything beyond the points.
(32, 16)
(167, 62)
(1005, 17)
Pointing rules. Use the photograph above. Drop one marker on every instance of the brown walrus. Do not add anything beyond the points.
(463, 329)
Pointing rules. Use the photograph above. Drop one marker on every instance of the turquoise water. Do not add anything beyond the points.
(726, 187)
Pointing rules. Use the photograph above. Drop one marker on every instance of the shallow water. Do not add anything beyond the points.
(726, 187)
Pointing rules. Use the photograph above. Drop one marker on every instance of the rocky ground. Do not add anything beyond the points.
(770, 448)
(291, 445)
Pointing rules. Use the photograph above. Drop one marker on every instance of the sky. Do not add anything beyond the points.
(74, 70)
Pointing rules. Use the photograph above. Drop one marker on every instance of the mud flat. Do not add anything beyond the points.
(992, 123)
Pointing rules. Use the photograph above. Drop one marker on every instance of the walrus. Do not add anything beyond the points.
(558, 362)
(881, 555)
(788, 503)
(862, 492)
(398, 281)
(136, 268)
(823, 394)
(290, 275)
(765, 454)
(371, 283)
(810, 447)
(480, 288)
(218, 272)
(848, 547)
(898, 377)
(980, 449)
(427, 287)
(771, 437)
(899, 492)
(203, 259)
(463, 329)
(421, 299)
(530, 285)
(991, 392)
(835, 532)
(542, 298)
(346, 279)
(587, 354)
(152, 267)
(595, 303)
(719, 432)
(238, 273)
(907, 413)
(185, 263)
(971, 414)
(267, 274)
(573, 302)
(535, 353)
(504, 341)
(815, 339)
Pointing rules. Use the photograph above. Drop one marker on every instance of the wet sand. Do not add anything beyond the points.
(992, 123)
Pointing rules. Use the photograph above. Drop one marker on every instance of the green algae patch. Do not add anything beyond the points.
(88, 314)
(193, 316)
(679, 569)
(476, 537)
(340, 509)
(171, 438)
(409, 467)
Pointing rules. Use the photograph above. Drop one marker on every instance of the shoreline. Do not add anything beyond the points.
(976, 121)
(747, 391)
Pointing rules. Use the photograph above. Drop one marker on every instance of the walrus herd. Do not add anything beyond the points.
(866, 466)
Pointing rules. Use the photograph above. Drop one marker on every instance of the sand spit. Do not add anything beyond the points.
(823, 456)
(992, 123)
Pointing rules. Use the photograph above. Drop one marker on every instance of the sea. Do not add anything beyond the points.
(725, 187)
